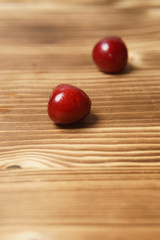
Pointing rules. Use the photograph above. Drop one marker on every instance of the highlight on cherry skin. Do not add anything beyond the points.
(110, 55)
(68, 104)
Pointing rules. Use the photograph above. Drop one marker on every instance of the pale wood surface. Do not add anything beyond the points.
(100, 178)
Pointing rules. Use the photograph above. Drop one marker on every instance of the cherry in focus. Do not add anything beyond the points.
(68, 104)
(110, 55)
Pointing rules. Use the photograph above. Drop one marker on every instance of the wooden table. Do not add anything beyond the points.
(99, 179)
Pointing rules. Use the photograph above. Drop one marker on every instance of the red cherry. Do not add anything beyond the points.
(110, 55)
(68, 104)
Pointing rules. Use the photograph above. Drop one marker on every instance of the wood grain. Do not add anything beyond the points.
(114, 203)
(98, 179)
(43, 45)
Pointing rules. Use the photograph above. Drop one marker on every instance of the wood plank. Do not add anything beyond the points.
(98, 179)
(42, 47)
(117, 203)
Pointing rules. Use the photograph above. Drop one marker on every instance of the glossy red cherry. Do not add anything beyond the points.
(68, 104)
(110, 55)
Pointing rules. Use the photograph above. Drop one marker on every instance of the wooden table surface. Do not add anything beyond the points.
(99, 179)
